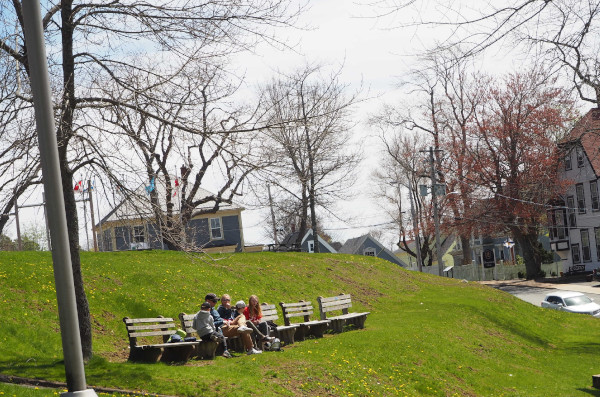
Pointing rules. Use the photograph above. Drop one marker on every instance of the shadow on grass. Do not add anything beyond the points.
(591, 392)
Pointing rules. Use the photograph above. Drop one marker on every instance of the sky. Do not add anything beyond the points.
(375, 55)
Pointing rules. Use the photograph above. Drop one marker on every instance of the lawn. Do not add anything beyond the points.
(425, 336)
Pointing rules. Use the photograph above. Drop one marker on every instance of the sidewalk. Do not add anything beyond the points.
(570, 284)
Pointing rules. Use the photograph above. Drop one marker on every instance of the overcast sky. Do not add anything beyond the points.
(374, 55)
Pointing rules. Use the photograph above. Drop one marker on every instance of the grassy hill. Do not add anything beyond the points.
(426, 335)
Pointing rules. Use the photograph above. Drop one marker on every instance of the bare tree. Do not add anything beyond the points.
(308, 144)
(562, 33)
(95, 44)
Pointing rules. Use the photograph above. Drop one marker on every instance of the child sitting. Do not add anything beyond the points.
(205, 327)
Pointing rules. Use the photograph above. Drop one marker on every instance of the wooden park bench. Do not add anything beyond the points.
(209, 349)
(303, 310)
(155, 332)
(340, 303)
(284, 332)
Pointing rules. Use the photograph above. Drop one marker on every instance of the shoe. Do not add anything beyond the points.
(244, 330)
(226, 354)
(253, 351)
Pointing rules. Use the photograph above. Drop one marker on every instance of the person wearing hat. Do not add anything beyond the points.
(212, 300)
(204, 325)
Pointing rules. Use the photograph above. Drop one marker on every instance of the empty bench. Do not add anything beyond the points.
(303, 310)
(340, 303)
(154, 333)
(284, 332)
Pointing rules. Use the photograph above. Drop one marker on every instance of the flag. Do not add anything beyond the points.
(79, 187)
(150, 187)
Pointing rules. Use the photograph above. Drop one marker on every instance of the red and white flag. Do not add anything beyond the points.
(78, 186)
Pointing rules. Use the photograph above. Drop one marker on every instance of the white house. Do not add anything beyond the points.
(574, 220)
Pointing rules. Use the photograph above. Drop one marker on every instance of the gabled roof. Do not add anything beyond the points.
(136, 204)
(309, 233)
(587, 132)
(352, 246)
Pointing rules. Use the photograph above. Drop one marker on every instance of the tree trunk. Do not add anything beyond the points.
(466, 250)
(531, 256)
(64, 132)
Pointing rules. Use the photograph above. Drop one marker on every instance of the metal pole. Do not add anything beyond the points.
(48, 240)
(92, 216)
(436, 217)
(61, 256)
(416, 228)
(19, 241)
(272, 215)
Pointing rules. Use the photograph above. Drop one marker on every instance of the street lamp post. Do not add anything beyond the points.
(61, 256)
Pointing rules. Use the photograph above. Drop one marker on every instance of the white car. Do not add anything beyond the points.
(569, 301)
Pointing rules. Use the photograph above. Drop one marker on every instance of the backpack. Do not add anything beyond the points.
(175, 338)
(273, 346)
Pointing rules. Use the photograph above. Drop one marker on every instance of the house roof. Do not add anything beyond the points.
(587, 131)
(136, 204)
(352, 245)
(309, 233)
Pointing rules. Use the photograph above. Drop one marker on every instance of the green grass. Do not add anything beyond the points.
(426, 336)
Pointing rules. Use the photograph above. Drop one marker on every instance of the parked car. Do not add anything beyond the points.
(569, 301)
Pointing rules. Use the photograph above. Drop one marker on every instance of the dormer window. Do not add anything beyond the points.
(579, 152)
(567, 160)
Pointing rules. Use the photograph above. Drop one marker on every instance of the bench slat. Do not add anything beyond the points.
(335, 298)
(153, 333)
(337, 303)
(333, 308)
(150, 326)
(129, 321)
(300, 314)
(295, 304)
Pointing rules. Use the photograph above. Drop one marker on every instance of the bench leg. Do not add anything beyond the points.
(318, 330)
(287, 336)
(301, 333)
(206, 350)
(150, 355)
(337, 326)
(177, 354)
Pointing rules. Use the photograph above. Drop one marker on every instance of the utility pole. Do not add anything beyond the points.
(415, 227)
(436, 216)
(92, 216)
(275, 239)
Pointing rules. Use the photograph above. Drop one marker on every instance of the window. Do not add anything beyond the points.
(585, 245)
(560, 226)
(579, 152)
(568, 161)
(311, 246)
(369, 251)
(575, 253)
(580, 198)
(138, 234)
(571, 211)
(594, 194)
(216, 232)
(597, 236)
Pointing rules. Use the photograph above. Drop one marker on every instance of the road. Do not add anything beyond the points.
(534, 294)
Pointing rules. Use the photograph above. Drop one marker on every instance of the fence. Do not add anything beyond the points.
(499, 272)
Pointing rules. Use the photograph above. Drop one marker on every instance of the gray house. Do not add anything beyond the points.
(306, 245)
(369, 246)
(130, 225)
